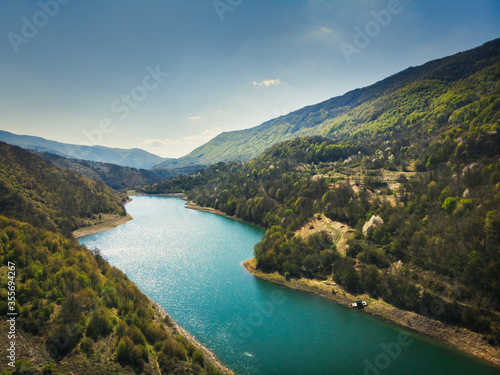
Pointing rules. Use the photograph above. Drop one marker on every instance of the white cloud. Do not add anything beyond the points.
(267, 82)
(320, 35)
(194, 118)
(323, 31)
(180, 146)
(281, 112)
(160, 142)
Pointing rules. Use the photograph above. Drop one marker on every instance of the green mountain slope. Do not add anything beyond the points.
(392, 105)
(134, 158)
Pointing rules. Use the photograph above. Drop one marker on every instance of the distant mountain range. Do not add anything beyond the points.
(416, 98)
(384, 105)
(134, 158)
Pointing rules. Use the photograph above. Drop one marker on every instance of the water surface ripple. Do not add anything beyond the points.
(189, 262)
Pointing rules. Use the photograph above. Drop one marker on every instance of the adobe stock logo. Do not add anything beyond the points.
(390, 353)
(263, 310)
(224, 6)
(372, 29)
(30, 27)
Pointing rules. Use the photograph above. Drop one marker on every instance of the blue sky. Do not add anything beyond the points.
(168, 75)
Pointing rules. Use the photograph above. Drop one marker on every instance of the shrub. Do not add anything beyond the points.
(47, 368)
(371, 280)
(127, 352)
(87, 345)
(174, 349)
(372, 256)
(99, 324)
(346, 275)
(449, 205)
(190, 348)
(198, 358)
(136, 335)
(122, 351)
(136, 358)
(354, 248)
(155, 333)
(121, 327)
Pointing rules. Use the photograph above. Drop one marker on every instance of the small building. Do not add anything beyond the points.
(359, 304)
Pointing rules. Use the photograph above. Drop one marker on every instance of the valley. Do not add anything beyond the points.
(388, 193)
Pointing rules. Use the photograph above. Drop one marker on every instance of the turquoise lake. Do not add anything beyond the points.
(189, 262)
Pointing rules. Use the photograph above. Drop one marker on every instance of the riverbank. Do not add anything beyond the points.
(107, 222)
(208, 356)
(193, 206)
(133, 193)
(461, 338)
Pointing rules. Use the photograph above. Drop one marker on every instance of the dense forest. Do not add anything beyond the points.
(422, 197)
(77, 314)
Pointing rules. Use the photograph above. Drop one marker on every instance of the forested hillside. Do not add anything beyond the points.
(76, 313)
(422, 231)
(418, 100)
(115, 176)
(410, 169)
(34, 190)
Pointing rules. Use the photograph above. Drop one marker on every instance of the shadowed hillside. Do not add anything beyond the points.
(134, 158)
(113, 175)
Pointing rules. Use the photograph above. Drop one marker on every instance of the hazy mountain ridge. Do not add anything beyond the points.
(115, 176)
(339, 117)
(134, 158)
(36, 191)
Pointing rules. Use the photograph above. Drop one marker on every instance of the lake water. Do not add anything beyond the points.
(189, 262)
